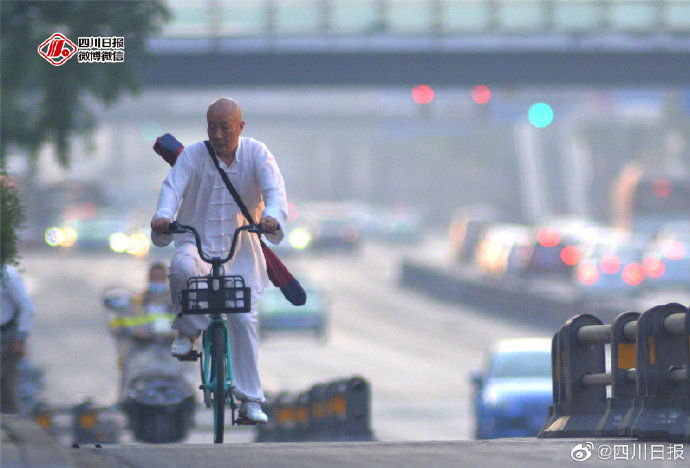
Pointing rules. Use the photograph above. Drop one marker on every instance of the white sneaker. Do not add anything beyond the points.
(182, 345)
(252, 412)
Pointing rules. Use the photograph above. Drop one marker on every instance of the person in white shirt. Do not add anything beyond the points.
(16, 317)
(196, 192)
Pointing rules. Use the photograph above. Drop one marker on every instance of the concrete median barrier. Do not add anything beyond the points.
(338, 410)
(650, 391)
(662, 409)
(580, 393)
(623, 376)
(511, 297)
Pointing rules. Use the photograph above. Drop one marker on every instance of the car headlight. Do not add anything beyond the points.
(496, 400)
(54, 236)
(138, 245)
(299, 238)
(70, 237)
(491, 397)
(119, 242)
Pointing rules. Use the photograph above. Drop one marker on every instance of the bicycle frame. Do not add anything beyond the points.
(215, 299)
(208, 377)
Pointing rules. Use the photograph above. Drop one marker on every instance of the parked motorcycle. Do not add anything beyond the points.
(156, 390)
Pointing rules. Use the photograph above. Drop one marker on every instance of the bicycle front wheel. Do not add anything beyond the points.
(218, 354)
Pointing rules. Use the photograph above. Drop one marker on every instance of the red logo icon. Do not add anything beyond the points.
(57, 49)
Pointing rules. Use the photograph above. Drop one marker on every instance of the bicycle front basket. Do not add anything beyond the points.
(224, 295)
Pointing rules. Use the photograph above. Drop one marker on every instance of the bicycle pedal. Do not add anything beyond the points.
(245, 422)
(193, 355)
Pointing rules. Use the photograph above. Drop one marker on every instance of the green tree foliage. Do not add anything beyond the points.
(42, 103)
(11, 218)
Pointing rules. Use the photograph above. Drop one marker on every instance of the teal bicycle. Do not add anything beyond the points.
(214, 295)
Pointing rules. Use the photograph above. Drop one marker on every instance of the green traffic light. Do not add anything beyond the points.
(540, 115)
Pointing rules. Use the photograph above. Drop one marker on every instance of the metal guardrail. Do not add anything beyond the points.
(333, 411)
(650, 390)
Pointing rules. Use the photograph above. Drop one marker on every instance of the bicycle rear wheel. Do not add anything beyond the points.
(218, 358)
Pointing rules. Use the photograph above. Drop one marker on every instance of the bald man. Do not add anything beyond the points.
(195, 191)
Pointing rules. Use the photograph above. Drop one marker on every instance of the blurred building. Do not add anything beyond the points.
(362, 134)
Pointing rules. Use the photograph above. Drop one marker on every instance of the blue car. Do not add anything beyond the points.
(514, 390)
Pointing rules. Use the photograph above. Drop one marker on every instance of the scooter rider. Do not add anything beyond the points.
(150, 305)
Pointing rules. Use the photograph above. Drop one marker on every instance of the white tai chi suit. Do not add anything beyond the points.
(196, 192)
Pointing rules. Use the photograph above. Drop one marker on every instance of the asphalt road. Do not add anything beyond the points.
(416, 352)
(518, 453)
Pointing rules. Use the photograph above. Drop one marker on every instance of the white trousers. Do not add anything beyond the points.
(244, 340)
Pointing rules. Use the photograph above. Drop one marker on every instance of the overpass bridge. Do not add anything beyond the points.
(440, 42)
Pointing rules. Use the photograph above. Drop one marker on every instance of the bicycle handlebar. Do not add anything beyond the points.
(176, 228)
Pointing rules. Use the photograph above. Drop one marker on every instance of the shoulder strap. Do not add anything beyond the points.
(231, 188)
(228, 184)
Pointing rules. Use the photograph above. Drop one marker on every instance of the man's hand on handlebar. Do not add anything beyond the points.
(160, 224)
(175, 228)
(269, 224)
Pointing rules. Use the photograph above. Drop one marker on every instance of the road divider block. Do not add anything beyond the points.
(650, 391)
(338, 410)
(662, 406)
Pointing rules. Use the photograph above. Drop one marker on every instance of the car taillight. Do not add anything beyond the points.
(674, 250)
(633, 274)
(570, 255)
(653, 267)
(588, 273)
(662, 188)
(610, 264)
(548, 237)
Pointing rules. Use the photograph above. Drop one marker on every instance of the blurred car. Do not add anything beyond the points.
(330, 226)
(64, 199)
(467, 226)
(611, 266)
(332, 233)
(31, 235)
(514, 390)
(398, 223)
(666, 260)
(101, 231)
(277, 314)
(556, 247)
(503, 248)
